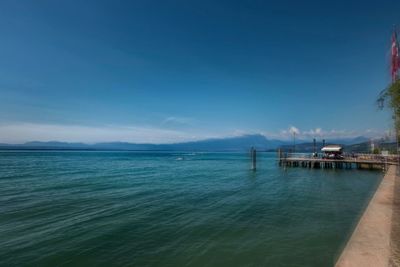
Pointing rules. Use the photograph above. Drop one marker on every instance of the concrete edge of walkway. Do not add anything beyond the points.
(370, 243)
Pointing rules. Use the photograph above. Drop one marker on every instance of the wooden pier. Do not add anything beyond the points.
(347, 163)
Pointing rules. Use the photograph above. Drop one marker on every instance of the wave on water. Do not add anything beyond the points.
(149, 209)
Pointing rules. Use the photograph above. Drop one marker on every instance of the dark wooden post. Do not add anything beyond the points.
(280, 156)
(253, 153)
(315, 148)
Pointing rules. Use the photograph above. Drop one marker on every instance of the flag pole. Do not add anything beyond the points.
(394, 70)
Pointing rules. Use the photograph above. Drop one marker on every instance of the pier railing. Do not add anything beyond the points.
(346, 156)
(363, 156)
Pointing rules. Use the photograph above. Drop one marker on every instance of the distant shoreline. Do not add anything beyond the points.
(230, 144)
(130, 150)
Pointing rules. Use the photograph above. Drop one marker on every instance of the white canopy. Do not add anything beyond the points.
(332, 148)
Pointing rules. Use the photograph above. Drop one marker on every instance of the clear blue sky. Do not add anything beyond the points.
(165, 71)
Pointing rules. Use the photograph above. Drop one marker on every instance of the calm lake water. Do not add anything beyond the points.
(173, 209)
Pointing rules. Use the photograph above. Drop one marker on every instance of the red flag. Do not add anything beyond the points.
(395, 58)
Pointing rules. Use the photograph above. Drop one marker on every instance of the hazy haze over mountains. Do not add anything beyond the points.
(240, 143)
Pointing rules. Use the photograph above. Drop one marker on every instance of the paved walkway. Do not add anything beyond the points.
(372, 243)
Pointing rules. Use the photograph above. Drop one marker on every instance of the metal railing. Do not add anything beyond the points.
(392, 158)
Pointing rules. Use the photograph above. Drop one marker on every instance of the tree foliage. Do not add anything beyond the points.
(390, 97)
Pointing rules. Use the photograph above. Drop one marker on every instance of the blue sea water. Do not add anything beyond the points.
(85, 208)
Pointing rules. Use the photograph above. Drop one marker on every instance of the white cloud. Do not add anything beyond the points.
(294, 130)
(177, 121)
(326, 134)
(317, 132)
(22, 132)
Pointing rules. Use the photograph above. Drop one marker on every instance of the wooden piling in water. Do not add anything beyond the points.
(253, 153)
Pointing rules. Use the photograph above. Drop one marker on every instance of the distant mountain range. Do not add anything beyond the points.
(240, 143)
(365, 147)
